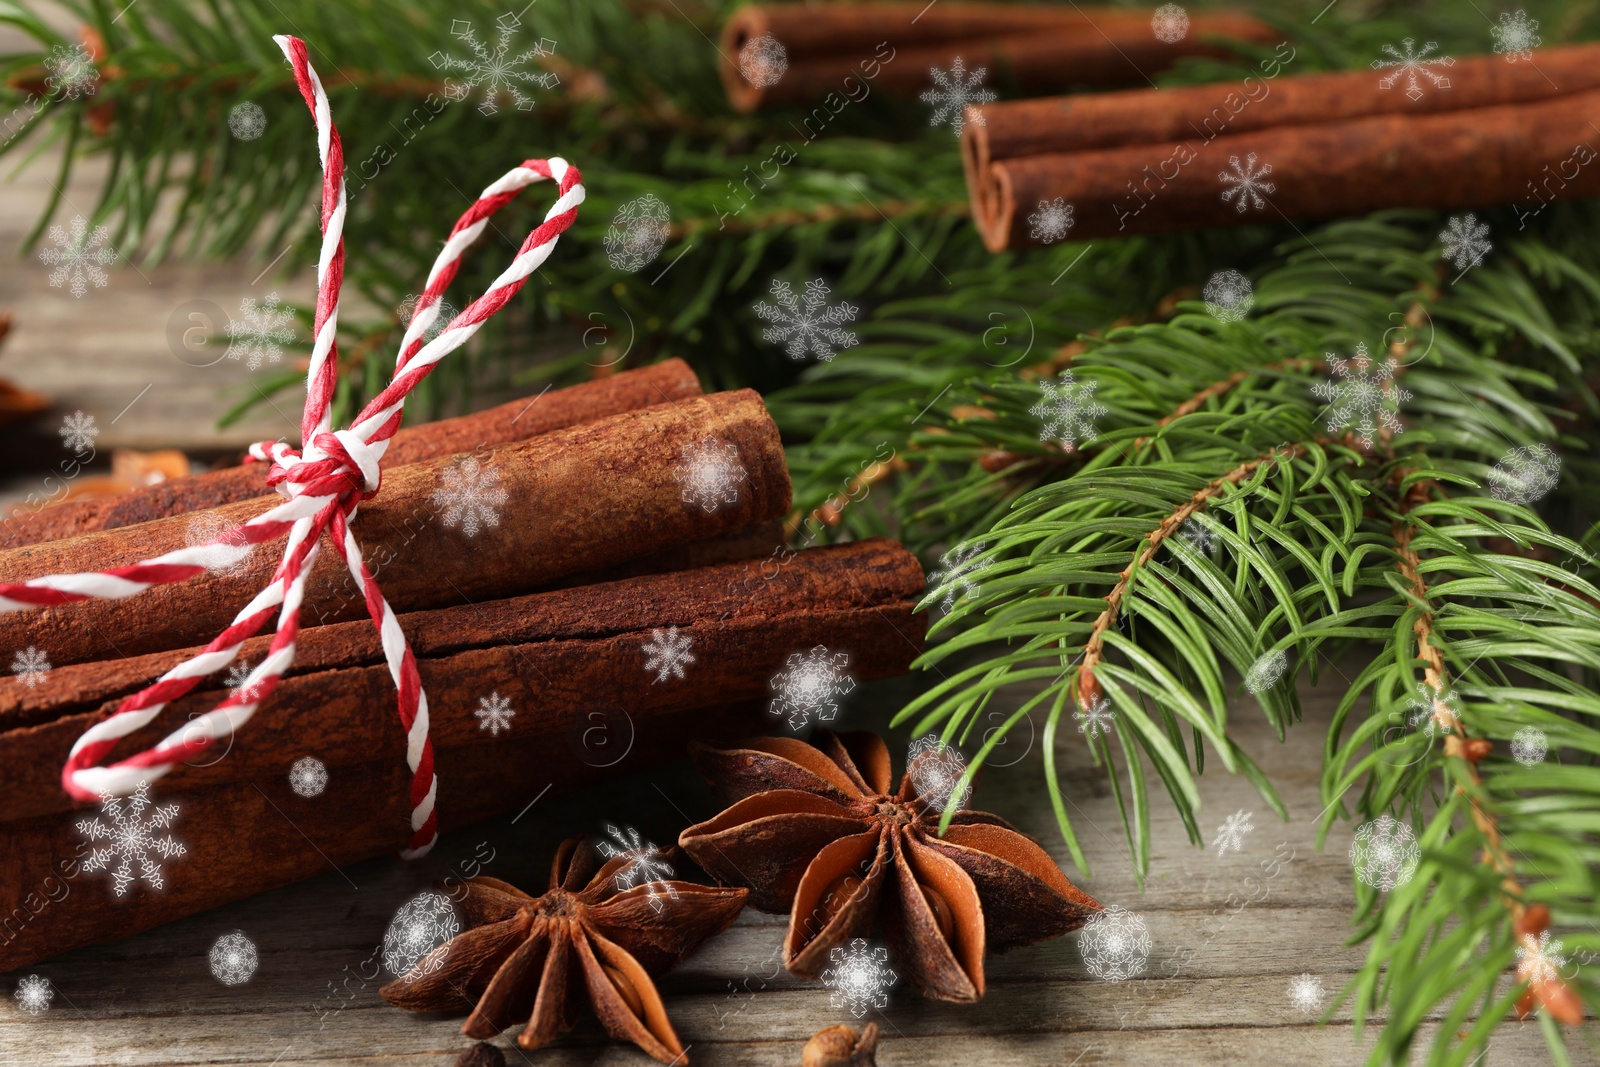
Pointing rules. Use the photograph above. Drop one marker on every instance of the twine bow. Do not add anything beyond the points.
(322, 483)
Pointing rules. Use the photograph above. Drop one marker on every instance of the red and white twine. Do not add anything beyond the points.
(323, 483)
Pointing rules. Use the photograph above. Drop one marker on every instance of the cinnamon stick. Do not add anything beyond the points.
(569, 662)
(578, 500)
(517, 420)
(832, 47)
(1524, 154)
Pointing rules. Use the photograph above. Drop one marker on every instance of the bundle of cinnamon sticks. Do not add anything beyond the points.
(1311, 146)
(774, 54)
(598, 550)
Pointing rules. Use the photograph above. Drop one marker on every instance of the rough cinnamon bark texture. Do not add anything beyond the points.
(515, 421)
(570, 663)
(579, 500)
(1525, 154)
(1029, 48)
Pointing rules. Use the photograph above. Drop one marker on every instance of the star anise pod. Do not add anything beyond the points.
(535, 958)
(815, 831)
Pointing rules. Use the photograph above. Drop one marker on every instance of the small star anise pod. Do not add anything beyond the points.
(535, 958)
(816, 832)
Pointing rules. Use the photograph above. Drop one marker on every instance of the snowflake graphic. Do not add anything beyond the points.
(1529, 746)
(233, 958)
(1516, 37)
(441, 312)
(1246, 183)
(953, 579)
(1362, 390)
(1408, 62)
(1525, 474)
(667, 653)
(763, 60)
(470, 496)
(34, 994)
(1385, 853)
(1115, 944)
(710, 473)
(1067, 410)
(1198, 534)
(1465, 241)
(859, 977)
(495, 70)
(78, 255)
(1230, 835)
(1425, 708)
(419, 926)
(308, 776)
(808, 327)
(936, 769)
(1266, 670)
(238, 682)
(637, 233)
(1095, 720)
(1539, 960)
(30, 666)
(221, 547)
(1170, 23)
(78, 432)
(1306, 993)
(645, 864)
(1051, 221)
(810, 685)
(71, 71)
(494, 713)
(260, 336)
(1229, 296)
(131, 838)
(247, 121)
(953, 91)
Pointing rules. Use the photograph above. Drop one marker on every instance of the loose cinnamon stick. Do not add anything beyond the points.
(517, 420)
(578, 500)
(570, 662)
(1524, 154)
(1033, 48)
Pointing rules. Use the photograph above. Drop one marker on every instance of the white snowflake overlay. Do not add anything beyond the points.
(1465, 240)
(419, 926)
(1199, 536)
(953, 91)
(1425, 705)
(1229, 296)
(247, 121)
(1529, 746)
(1051, 221)
(1525, 474)
(1516, 37)
(1230, 835)
(810, 685)
(1306, 993)
(1246, 182)
(1409, 63)
(808, 325)
(308, 776)
(859, 977)
(238, 681)
(495, 70)
(34, 994)
(70, 71)
(1361, 391)
(645, 864)
(233, 958)
(224, 548)
(470, 496)
(1170, 23)
(1266, 670)
(78, 255)
(444, 311)
(1115, 944)
(710, 473)
(1539, 960)
(131, 837)
(638, 232)
(667, 653)
(1067, 410)
(1096, 719)
(30, 666)
(1385, 853)
(260, 335)
(78, 432)
(763, 60)
(936, 769)
(954, 577)
(494, 713)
